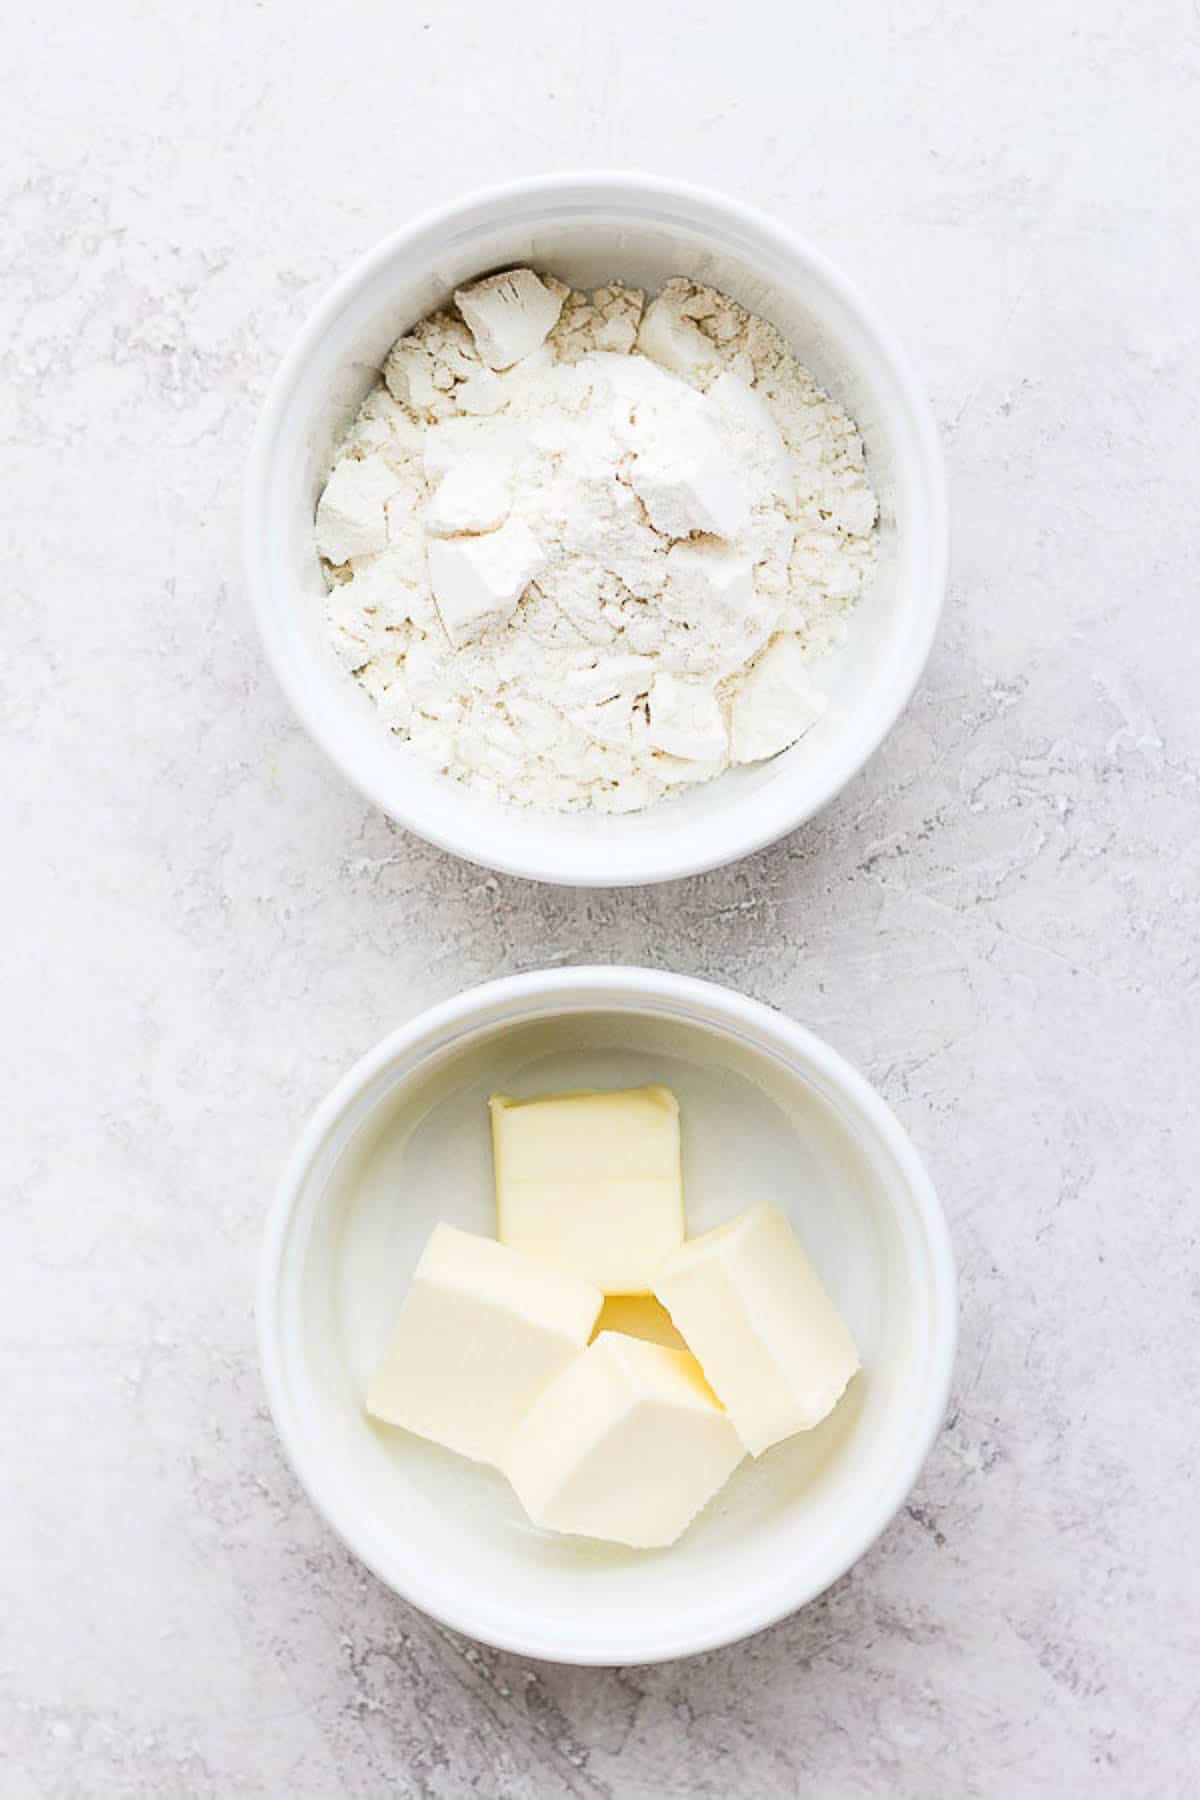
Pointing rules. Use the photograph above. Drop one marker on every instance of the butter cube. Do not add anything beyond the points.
(482, 1331)
(627, 1444)
(754, 1314)
(639, 1316)
(591, 1182)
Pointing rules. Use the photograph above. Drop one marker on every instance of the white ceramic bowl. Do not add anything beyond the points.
(587, 229)
(769, 1111)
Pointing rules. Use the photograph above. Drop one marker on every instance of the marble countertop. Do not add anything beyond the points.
(204, 926)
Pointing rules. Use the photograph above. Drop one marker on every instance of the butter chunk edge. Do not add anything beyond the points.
(482, 1330)
(591, 1180)
(752, 1309)
(628, 1445)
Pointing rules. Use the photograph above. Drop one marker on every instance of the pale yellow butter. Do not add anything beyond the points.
(591, 1182)
(628, 1444)
(754, 1313)
(638, 1316)
(482, 1331)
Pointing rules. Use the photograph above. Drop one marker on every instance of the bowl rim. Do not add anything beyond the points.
(436, 1029)
(645, 862)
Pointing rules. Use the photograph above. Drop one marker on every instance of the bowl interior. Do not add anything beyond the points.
(413, 1148)
(588, 237)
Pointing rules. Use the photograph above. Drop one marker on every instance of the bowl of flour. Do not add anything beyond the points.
(596, 530)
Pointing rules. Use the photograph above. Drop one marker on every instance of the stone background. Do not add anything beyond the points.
(204, 926)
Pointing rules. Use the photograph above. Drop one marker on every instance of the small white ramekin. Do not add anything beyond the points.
(769, 1111)
(588, 229)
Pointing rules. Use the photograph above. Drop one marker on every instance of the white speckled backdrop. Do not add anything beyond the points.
(203, 926)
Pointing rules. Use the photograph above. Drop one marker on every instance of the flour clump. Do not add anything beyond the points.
(581, 551)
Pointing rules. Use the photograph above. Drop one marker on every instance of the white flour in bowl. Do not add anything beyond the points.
(581, 549)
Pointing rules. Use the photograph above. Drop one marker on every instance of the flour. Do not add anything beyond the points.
(581, 550)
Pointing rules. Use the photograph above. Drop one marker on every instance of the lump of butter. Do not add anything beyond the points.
(639, 1316)
(627, 1444)
(754, 1314)
(591, 1182)
(482, 1331)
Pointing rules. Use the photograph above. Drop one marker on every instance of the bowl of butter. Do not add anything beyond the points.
(605, 1314)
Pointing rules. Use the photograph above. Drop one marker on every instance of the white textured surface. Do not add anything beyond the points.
(998, 921)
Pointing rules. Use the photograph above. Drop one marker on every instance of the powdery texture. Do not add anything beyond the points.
(696, 501)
